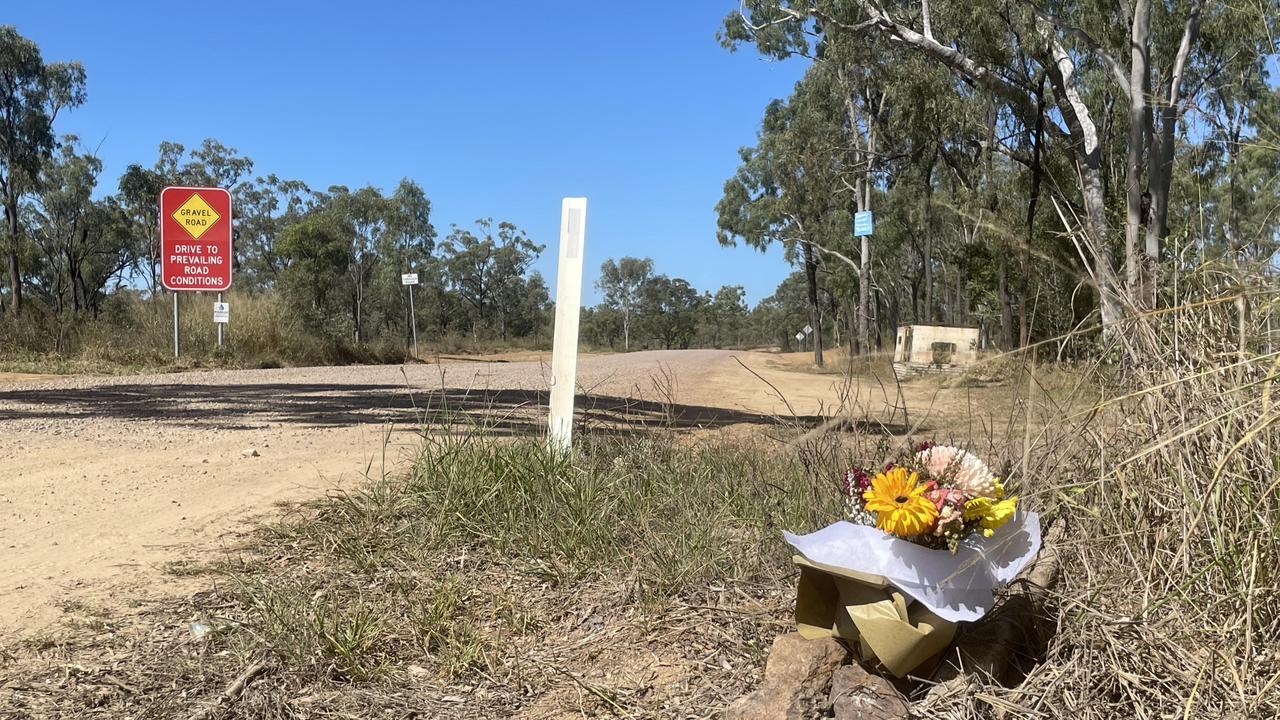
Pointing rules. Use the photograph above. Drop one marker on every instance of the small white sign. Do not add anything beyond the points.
(808, 329)
(799, 337)
(409, 279)
(222, 312)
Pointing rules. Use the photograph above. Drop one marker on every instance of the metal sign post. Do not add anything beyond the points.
(411, 279)
(564, 349)
(176, 349)
(217, 308)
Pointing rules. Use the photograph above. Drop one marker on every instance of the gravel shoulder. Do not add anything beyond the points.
(105, 482)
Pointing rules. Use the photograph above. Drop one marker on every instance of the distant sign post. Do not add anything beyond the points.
(862, 224)
(411, 279)
(195, 244)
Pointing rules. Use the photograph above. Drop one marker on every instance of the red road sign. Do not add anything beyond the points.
(195, 239)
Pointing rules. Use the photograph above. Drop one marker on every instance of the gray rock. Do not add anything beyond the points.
(250, 452)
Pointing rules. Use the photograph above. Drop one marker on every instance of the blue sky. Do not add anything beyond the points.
(497, 109)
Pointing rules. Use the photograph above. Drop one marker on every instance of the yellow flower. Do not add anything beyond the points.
(990, 514)
(999, 488)
(899, 503)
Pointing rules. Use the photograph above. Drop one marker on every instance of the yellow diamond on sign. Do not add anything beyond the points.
(195, 216)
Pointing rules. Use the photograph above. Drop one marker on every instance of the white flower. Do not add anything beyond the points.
(962, 470)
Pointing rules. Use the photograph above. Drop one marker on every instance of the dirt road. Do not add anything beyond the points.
(105, 481)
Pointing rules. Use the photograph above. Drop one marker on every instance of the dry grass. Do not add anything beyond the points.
(133, 335)
(1166, 606)
(645, 577)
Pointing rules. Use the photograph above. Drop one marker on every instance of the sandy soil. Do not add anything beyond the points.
(106, 481)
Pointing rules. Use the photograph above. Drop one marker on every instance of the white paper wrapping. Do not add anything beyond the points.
(956, 587)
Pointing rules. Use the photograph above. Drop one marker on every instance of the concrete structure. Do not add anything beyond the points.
(938, 348)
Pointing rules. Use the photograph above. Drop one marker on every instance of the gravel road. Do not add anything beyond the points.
(105, 480)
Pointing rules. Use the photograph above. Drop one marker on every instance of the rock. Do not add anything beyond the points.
(858, 695)
(796, 679)
(250, 452)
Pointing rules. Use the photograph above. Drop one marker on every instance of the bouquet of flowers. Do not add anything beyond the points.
(935, 496)
(928, 539)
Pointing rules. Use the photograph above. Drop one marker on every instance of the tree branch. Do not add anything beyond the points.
(1118, 72)
(950, 57)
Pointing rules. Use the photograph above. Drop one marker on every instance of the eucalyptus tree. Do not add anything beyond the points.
(790, 188)
(488, 268)
(84, 242)
(315, 251)
(1147, 55)
(32, 93)
(670, 307)
(62, 213)
(265, 206)
(138, 198)
(725, 312)
(214, 165)
(621, 283)
(365, 219)
(407, 245)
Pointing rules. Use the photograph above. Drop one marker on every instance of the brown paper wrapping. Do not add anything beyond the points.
(869, 613)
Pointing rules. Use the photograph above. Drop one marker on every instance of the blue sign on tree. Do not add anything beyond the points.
(862, 223)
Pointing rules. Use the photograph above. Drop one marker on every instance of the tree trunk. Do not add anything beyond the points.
(851, 332)
(1084, 135)
(1006, 304)
(815, 318)
(1033, 201)
(15, 275)
(929, 315)
(1136, 272)
(1160, 170)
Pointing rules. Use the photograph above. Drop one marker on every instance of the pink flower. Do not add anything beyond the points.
(941, 496)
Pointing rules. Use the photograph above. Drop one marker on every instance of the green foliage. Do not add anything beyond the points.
(1011, 130)
(488, 270)
(32, 93)
(336, 257)
(314, 256)
(622, 283)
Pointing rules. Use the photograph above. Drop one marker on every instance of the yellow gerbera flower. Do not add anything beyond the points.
(990, 514)
(899, 503)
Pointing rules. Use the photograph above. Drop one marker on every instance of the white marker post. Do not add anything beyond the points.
(564, 349)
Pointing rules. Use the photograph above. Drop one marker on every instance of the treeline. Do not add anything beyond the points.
(641, 309)
(334, 255)
(1033, 169)
(332, 259)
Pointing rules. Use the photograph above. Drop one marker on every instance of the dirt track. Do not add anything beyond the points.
(104, 481)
